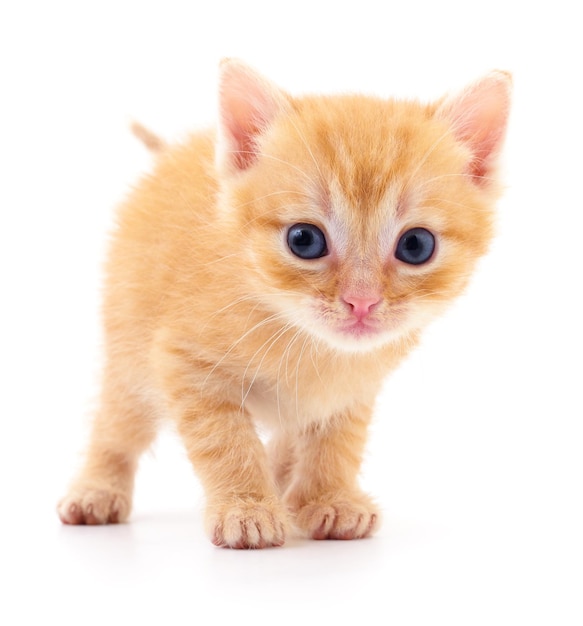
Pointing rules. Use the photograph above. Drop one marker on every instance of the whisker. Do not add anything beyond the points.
(470, 207)
(222, 258)
(285, 355)
(274, 158)
(260, 324)
(298, 377)
(279, 192)
(307, 146)
(262, 215)
(424, 158)
(302, 275)
(288, 353)
(312, 346)
(227, 307)
(273, 340)
(462, 175)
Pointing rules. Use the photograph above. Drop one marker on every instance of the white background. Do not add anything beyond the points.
(475, 455)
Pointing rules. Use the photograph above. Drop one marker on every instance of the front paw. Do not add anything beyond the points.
(338, 517)
(244, 523)
(87, 504)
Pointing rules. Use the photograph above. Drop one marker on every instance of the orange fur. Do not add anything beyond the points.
(211, 320)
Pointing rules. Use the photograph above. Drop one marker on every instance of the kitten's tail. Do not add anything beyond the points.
(148, 138)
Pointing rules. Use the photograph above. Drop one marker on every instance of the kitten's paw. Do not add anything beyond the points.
(338, 518)
(93, 506)
(247, 524)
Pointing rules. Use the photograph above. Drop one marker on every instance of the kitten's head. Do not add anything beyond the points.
(361, 218)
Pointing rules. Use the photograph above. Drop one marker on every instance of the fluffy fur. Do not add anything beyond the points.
(212, 321)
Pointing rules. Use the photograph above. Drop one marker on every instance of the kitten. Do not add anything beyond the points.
(274, 272)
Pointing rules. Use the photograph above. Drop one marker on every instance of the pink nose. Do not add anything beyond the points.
(361, 307)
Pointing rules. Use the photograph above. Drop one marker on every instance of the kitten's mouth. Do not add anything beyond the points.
(359, 328)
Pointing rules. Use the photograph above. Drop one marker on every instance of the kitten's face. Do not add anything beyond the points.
(360, 219)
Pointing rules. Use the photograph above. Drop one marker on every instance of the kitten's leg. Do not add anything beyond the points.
(282, 460)
(102, 491)
(243, 510)
(324, 494)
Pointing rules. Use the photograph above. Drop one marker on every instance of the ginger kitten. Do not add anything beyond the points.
(274, 272)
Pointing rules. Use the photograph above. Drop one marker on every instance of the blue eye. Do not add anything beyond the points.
(416, 246)
(307, 241)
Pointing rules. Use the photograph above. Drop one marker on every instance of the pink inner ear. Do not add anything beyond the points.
(248, 104)
(241, 128)
(479, 116)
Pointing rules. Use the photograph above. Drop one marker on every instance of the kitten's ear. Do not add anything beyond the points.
(478, 117)
(248, 103)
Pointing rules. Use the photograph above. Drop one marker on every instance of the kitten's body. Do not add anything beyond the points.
(211, 319)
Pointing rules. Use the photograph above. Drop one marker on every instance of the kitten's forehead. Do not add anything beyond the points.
(366, 141)
(364, 233)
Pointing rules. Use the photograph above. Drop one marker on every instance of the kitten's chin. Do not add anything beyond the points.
(357, 337)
